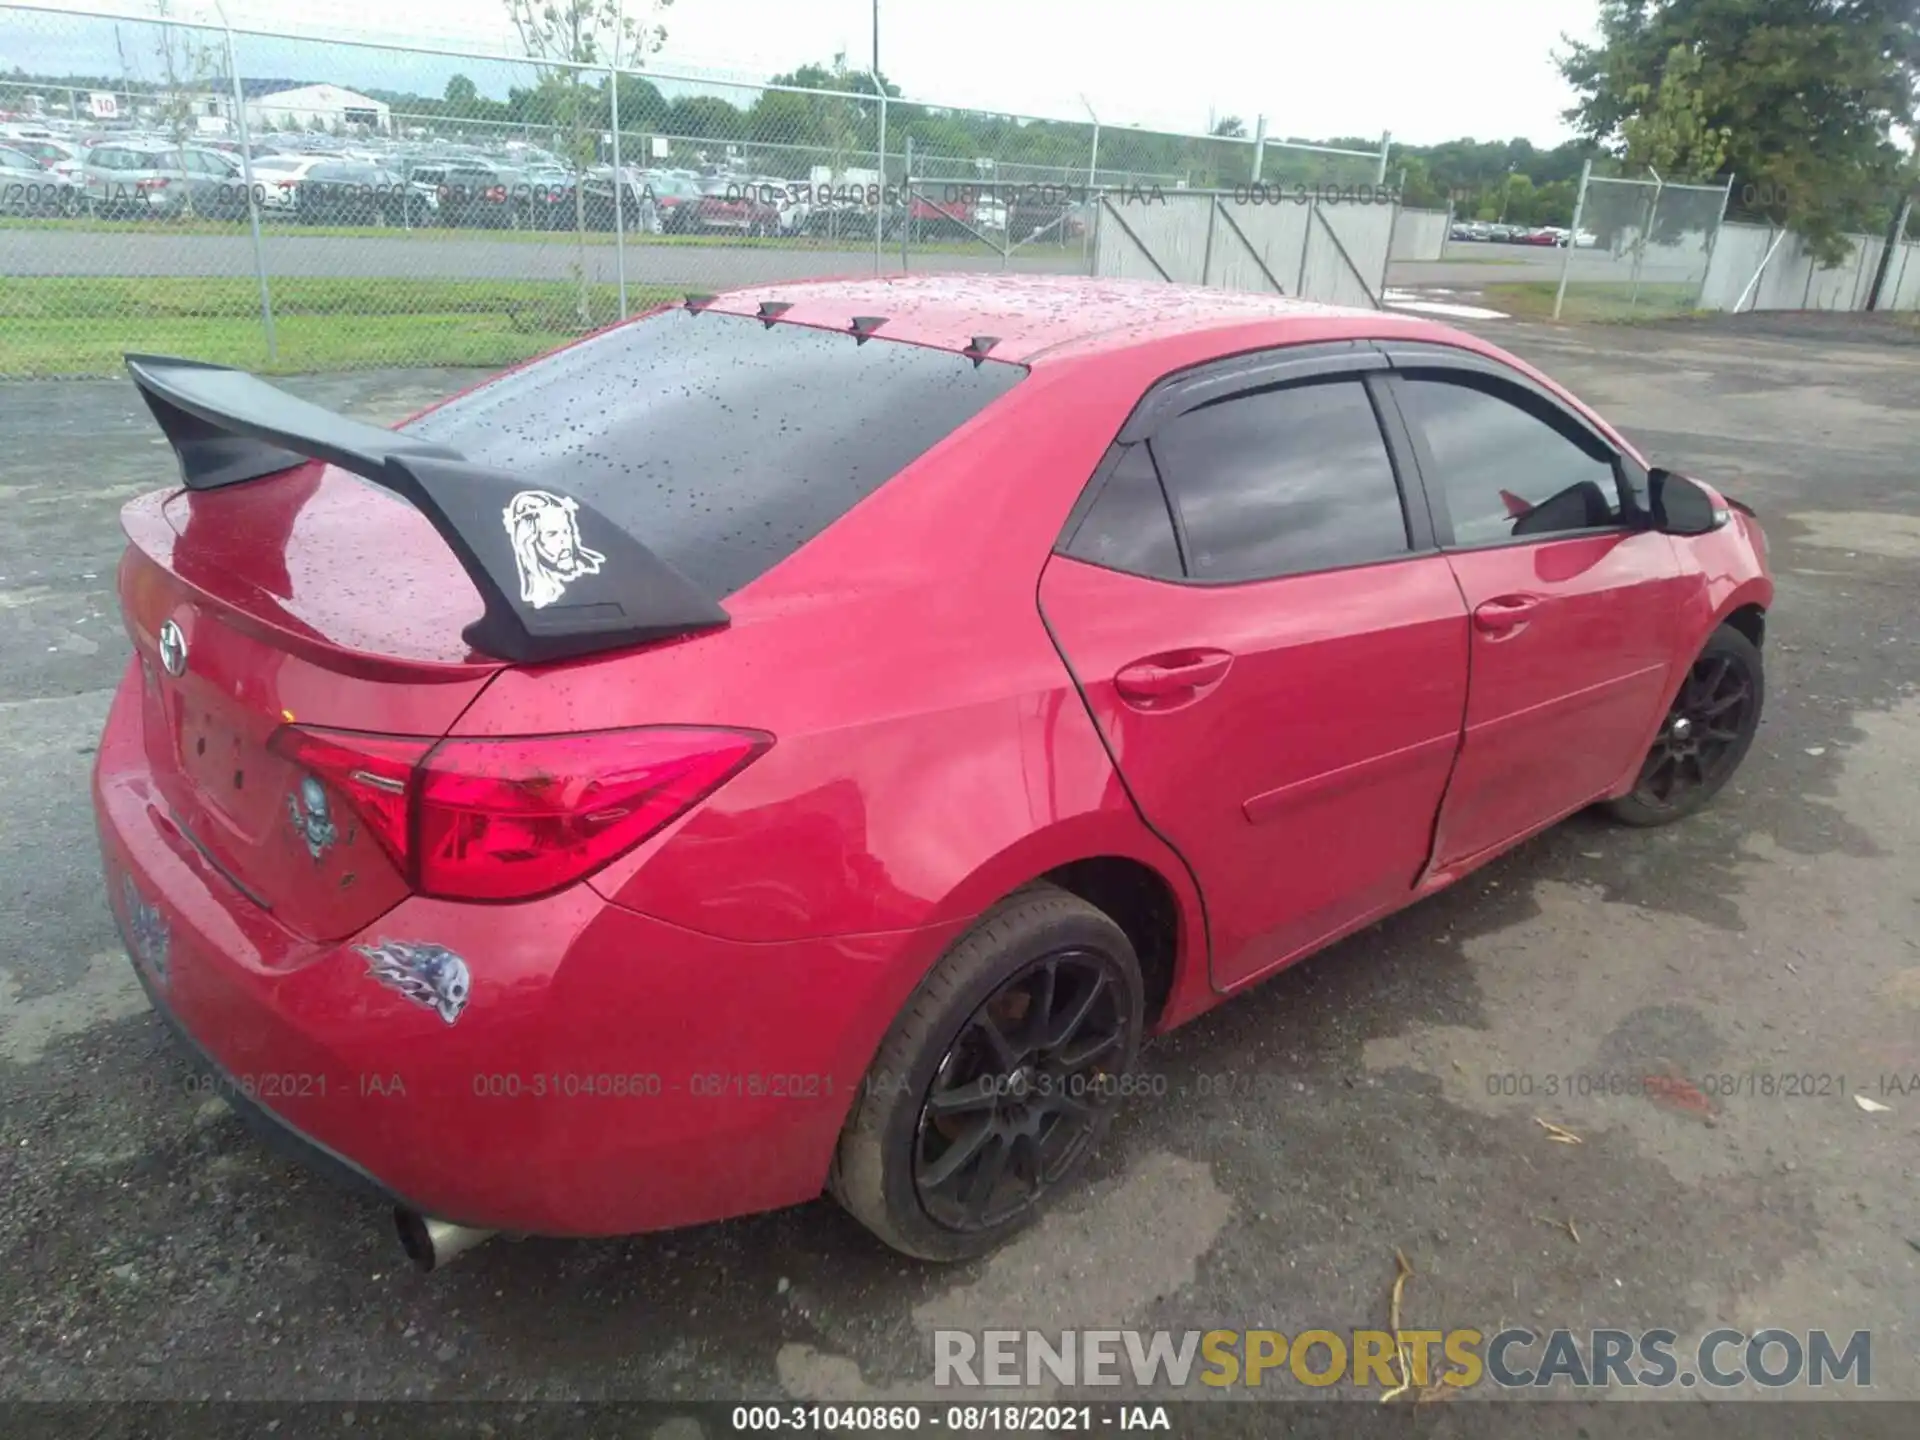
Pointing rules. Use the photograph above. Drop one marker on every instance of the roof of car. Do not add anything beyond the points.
(1032, 314)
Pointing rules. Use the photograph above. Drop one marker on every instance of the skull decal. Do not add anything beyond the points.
(429, 975)
(146, 933)
(311, 817)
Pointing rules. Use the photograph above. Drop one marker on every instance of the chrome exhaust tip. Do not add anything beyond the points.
(431, 1243)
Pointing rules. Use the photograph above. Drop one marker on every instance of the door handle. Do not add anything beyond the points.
(1177, 675)
(1505, 614)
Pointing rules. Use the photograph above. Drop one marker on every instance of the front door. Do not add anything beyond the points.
(1574, 606)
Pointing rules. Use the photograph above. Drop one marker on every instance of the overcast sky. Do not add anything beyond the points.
(1424, 70)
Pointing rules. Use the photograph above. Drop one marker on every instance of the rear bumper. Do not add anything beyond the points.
(607, 1073)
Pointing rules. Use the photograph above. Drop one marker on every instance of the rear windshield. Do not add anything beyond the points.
(722, 444)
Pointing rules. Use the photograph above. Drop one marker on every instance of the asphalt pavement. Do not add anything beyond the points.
(1385, 1095)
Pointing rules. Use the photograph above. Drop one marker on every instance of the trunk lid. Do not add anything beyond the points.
(310, 597)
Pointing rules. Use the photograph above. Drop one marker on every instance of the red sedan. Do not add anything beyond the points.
(804, 740)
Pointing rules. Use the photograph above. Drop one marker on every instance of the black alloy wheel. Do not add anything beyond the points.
(1000, 1074)
(1705, 735)
(1016, 1099)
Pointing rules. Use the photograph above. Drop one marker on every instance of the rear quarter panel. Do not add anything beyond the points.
(931, 753)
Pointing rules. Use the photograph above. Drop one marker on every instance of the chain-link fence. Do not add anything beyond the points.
(289, 203)
(1638, 247)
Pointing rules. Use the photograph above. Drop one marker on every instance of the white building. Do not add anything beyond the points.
(331, 106)
(284, 104)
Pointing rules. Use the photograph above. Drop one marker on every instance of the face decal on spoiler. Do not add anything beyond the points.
(429, 975)
(545, 530)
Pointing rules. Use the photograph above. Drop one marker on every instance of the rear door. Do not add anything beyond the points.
(1575, 603)
(1273, 650)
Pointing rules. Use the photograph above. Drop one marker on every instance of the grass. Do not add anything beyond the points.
(1451, 259)
(273, 228)
(1587, 300)
(83, 325)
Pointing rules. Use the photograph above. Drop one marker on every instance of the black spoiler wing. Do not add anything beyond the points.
(557, 577)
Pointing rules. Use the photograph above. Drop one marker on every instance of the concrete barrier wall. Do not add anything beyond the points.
(1420, 235)
(1902, 290)
(1335, 254)
(1793, 279)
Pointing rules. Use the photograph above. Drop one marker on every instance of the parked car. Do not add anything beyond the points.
(640, 207)
(29, 188)
(735, 205)
(344, 192)
(471, 192)
(788, 198)
(676, 198)
(63, 157)
(278, 180)
(1223, 671)
(141, 179)
(544, 198)
(1039, 214)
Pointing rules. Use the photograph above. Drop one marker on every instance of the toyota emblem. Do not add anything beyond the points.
(173, 649)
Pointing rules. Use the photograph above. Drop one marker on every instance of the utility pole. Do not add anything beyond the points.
(876, 39)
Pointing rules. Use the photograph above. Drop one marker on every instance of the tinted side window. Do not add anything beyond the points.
(1127, 527)
(1506, 472)
(1282, 481)
(723, 444)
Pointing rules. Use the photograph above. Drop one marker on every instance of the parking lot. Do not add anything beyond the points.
(1386, 1095)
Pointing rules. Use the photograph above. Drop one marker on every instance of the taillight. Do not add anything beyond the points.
(152, 182)
(511, 819)
(497, 193)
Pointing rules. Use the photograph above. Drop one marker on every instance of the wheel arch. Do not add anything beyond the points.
(1114, 863)
(1750, 619)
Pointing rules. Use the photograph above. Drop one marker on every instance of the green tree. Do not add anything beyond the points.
(190, 67)
(461, 94)
(1669, 132)
(1798, 98)
(564, 35)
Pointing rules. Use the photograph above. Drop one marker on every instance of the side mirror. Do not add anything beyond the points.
(1681, 506)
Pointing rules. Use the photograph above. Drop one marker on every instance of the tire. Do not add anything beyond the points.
(877, 1174)
(1728, 661)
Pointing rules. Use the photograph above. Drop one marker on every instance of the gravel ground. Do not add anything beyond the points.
(150, 1249)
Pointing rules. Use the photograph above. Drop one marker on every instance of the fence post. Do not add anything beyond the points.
(1386, 148)
(906, 201)
(1573, 238)
(1306, 241)
(1753, 285)
(880, 200)
(1713, 242)
(619, 180)
(253, 200)
(1093, 155)
(1259, 146)
(1896, 243)
(1640, 250)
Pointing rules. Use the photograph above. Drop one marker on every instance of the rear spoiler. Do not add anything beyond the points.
(556, 576)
